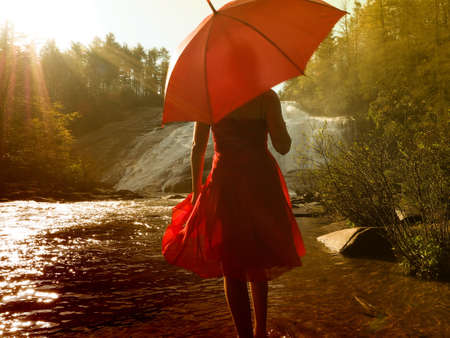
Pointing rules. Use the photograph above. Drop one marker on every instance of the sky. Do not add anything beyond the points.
(153, 23)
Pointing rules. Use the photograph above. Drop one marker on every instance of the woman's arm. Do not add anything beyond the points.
(199, 143)
(279, 135)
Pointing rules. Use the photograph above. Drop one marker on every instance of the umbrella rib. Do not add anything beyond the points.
(265, 37)
(208, 97)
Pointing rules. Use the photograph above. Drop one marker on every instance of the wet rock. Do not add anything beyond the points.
(312, 209)
(307, 197)
(336, 240)
(43, 199)
(310, 197)
(408, 215)
(174, 197)
(293, 196)
(368, 242)
(69, 195)
(178, 184)
(102, 191)
(21, 194)
(128, 194)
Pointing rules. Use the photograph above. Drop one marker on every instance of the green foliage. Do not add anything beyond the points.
(103, 80)
(355, 179)
(424, 172)
(36, 140)
(388, 70)
(388, 54)
(427, 258)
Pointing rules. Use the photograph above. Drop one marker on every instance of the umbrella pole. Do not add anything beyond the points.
(212, 7)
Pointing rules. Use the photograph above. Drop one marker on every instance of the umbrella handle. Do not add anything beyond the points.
(212, 7)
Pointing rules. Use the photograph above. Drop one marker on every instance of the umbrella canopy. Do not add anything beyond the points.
(242, 50)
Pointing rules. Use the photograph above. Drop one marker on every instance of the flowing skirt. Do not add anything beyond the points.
(241, 225)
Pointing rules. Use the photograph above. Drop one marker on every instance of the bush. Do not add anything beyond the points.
(379, 175)
(354, 179)
(422, 255)
(423, 172)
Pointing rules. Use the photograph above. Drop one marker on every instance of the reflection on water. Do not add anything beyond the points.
(96, 268)
(77, 264)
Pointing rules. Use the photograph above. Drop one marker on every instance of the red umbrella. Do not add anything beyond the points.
(242, 50)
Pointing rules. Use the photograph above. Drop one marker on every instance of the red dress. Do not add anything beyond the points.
(242, 224)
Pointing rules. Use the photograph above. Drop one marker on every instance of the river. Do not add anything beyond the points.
(95, 269)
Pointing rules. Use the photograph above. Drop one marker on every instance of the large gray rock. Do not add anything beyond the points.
(336, 240)
(140, 155)
(112, 147)
(369, 242)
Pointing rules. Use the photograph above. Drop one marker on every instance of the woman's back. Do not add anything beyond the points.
(253, 109)
(263, 111)
(233, 136)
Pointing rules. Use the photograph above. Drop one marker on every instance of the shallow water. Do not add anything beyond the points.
(95, 269)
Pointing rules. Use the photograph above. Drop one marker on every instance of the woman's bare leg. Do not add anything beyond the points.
(259, 297)
(236, 293)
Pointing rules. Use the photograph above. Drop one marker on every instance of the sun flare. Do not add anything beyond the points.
(42, 20)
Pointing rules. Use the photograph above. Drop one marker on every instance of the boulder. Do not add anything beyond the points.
(336, 240)
(368, 242)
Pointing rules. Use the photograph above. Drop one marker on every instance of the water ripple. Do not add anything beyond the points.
(95, 267)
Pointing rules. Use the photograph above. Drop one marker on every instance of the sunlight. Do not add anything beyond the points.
(59, 20)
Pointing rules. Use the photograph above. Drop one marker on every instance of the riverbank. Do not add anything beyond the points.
(39, 193)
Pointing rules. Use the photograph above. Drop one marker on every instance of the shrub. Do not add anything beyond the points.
(378, 175)
(354, 179)
(424, 256)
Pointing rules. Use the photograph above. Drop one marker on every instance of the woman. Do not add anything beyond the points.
(239, 224)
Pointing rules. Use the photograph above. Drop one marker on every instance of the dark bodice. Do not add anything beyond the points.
(234, 136)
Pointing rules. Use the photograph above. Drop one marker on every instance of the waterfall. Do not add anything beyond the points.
(303, 128)
(160, 158)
